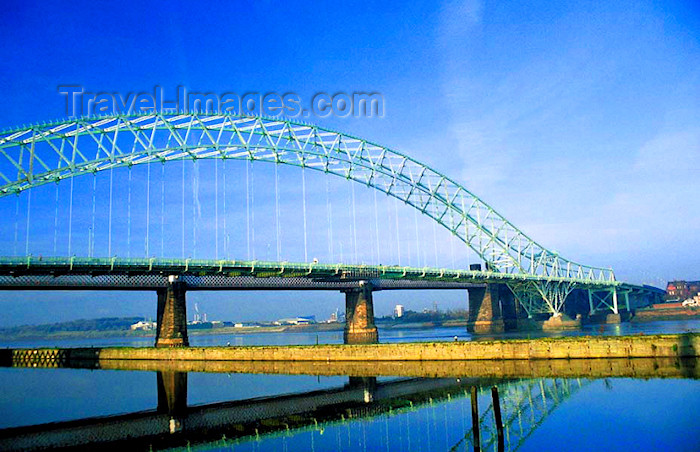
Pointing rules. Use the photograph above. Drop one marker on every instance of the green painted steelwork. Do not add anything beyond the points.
(262, 269)
(90, 145)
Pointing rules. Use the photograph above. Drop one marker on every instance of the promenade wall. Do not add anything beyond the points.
(582, 347)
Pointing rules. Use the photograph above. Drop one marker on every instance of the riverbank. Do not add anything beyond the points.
(662, 312)
(92, 334)
(580, 347)
(312, 328)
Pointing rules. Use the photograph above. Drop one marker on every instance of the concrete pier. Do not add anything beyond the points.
(608, 318)
(359, 317)
(172, 315)
(485, 316)
(560, 322)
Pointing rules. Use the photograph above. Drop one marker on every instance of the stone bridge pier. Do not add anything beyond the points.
(492, 309)
(359, 316)
(172, 315)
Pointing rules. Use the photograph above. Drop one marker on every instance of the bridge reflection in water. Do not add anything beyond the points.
(367, 413)
(524, 403)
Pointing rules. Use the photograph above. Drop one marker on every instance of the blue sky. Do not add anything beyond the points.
(578, 121)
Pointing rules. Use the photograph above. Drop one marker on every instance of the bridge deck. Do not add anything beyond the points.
(146, 274)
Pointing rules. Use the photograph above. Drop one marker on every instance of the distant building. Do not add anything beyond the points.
(682, 290)
(245, 325)
(334, 317)
(143, 325)
(398, 311)
(308, 320)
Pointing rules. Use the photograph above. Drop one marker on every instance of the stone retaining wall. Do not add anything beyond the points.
(657, 346)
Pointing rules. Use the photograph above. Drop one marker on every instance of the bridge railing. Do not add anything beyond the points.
(60, 265)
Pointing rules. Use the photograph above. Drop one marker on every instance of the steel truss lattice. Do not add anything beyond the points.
(41, 154)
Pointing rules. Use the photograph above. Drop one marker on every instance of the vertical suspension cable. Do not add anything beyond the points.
(91, 236)
(55, 218)
(148, 206)
(370, 242)
(252, 208)
(183, 208)
(70, 220)
(216, 209)
(415, 220)
(109, 234)
(409, 250)
(128, 216)
(247, 206)
(225, 212)
(376, 227)
(390, 230)
(55, 224)
(398, 237)
(277, 213)
(29, 210)
(195, 203)
(14, 248)
(466, 233)
(329, 212)
(303, 201)
(162, 209)
(435, 247)
(354, 223)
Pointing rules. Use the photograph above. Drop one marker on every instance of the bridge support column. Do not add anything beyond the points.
(485, 310)
(359, 317)
(172, 315)
(509, 308)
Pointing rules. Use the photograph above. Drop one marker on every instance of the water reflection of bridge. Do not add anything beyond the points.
(525, 403)
(529, 392)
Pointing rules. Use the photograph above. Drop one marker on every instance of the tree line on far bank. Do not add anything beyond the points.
(103, 324)
(426, 316)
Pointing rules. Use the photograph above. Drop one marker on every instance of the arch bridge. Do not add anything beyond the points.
(519, 279)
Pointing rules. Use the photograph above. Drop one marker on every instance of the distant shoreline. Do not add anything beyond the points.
(313, 328)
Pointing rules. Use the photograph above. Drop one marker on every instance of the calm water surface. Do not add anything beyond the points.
(384, 413)
(385, 335)
(538, 414)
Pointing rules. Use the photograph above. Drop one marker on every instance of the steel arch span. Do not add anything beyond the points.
(40, 154)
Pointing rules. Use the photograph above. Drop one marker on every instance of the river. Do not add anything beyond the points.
(207, 411)
(385, 335)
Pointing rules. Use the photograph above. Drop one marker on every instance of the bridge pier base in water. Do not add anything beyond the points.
(359, 317)
(171, 330)
(485, 315)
